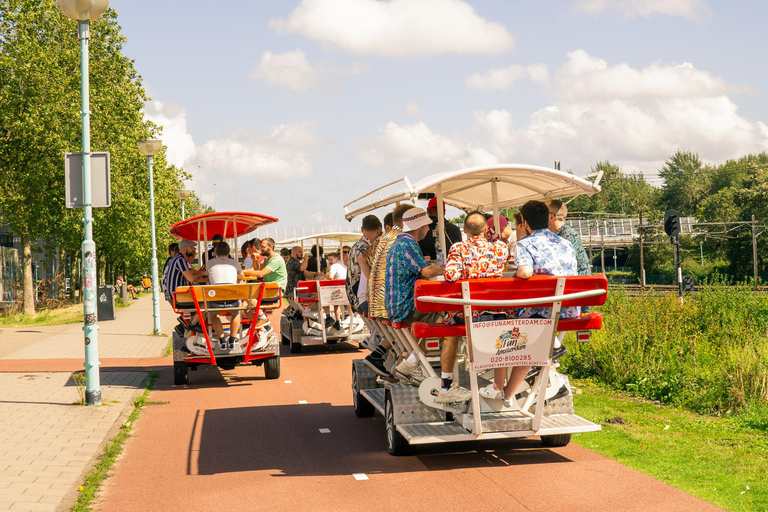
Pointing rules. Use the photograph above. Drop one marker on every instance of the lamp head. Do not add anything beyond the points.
(83, 10)
(150, 147)
(182, 194)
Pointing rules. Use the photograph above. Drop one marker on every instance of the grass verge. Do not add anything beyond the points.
(111, 451)
(169, 347)
(722, 460)
(68, 315)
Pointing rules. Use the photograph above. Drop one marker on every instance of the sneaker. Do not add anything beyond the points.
(337, 325)
(410, 371)
(376, 364)
(329, 321)
(490, 392)
(232, 341)
(559, 352)
(223, 343)
(454, 394)
(511, 403)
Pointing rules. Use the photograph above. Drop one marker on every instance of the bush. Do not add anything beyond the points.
(709, 354)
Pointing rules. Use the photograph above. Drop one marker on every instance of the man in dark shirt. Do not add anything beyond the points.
(429, 243)
(296, 266)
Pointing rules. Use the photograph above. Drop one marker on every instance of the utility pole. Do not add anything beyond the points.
(754, 250)
(642, 264)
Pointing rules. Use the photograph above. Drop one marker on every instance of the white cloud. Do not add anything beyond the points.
(291, 70)
(499, 79)
(412, 109)
(283, 153)
(694, 10)
(173, 120)
(634, 117)
(396, 27)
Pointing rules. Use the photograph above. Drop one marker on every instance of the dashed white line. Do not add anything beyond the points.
(360, 476)
(325, 431)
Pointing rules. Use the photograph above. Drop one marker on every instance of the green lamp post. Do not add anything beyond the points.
(150, 148)
(85, 11)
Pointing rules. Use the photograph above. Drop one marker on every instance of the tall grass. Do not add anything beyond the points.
(709, 354)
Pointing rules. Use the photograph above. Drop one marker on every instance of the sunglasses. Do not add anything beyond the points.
(345, 252)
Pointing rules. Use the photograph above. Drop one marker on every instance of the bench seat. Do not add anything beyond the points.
(593, 320)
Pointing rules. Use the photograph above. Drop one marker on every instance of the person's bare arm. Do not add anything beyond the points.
(304, 264)
(192, 275)
(260, 273)
(364, 267)
(432, 271)
(524, 272)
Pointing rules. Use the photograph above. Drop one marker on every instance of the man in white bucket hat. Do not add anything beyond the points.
(406, 264)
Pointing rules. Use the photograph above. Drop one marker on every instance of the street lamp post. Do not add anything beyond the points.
(183, 195)
(85, 11)
(150, 148)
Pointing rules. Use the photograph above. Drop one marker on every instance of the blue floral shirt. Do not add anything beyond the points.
(548, 254)
(404, 264)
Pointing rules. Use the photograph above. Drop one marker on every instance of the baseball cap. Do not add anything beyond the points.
(502, 221)
(433, 204)
(186, 243)
(415, 218)
(217, 238)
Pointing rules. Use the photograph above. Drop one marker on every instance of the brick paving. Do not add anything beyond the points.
(48, 443)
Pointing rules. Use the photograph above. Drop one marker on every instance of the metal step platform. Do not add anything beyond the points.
(375, 397)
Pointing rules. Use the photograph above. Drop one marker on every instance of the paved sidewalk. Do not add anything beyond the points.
(47, 443)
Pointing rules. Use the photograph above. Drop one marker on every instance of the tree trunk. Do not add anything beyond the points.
(26, 273)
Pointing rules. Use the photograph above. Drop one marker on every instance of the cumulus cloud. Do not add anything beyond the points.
(632, 116)
(291, 70)
(396, 27)
(285, 152)
(694, 10)
(499, 79)
(173, 122)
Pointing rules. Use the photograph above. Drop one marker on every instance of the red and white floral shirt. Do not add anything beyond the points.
(477, 257)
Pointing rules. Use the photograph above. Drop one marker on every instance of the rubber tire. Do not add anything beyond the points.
(180, 373)
(294, 346)
(363, 408)
(396, 443)
(272, 368)
(556, 441)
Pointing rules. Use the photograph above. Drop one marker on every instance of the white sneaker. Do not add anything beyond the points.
(453, 394)
(410, 371)
(490, 392)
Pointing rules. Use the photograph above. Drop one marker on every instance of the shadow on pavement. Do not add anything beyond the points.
(287, 439)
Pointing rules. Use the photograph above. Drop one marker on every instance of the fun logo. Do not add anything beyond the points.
(510, 341)
(336, 295)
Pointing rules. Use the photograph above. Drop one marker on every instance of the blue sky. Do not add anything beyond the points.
(294, 108)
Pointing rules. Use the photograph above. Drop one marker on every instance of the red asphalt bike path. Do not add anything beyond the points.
(234, 441)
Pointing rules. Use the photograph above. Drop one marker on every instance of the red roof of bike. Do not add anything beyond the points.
(226, 224)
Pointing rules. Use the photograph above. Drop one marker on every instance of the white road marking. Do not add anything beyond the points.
(360, 476)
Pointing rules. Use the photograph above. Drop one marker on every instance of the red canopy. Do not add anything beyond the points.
(226, 224)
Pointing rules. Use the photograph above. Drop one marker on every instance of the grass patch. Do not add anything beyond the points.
(111, 451)
(69, 315)
(169, 347)
(721, 460)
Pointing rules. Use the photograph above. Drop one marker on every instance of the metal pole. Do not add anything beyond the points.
(182, 211)
(155, 294)
(91, 326)
(642, 263)
(754, 251)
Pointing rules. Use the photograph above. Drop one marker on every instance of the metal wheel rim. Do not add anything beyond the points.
(390, 425)
(354, 388)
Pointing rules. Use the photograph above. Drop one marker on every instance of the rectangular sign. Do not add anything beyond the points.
(101, 186)
(514, 342)
(333, 295)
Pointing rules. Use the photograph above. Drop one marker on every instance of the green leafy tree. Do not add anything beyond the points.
(626, 194)
(685, 183)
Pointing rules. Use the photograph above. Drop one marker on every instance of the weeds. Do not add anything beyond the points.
(709, 354)
(80, 381)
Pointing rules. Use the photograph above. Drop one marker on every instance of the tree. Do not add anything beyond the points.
(625, 194)
(40, 121)
(685, 183)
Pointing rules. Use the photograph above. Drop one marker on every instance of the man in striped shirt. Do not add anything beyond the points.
(179, 273)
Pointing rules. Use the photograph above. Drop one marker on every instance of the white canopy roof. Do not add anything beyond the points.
(471, 189)
(340, 237)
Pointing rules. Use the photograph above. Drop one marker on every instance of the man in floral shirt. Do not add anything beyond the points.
(541, 252)
(475, 258)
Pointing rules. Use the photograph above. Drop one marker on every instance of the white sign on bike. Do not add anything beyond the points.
(515, 342)
(334, 295)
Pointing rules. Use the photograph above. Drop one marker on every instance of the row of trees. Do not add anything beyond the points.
(40, 122)
(728, 192)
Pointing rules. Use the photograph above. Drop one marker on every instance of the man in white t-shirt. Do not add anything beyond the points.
(338, 269)
(224, 270)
